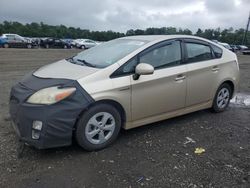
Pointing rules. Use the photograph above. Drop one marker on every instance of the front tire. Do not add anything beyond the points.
(98, 127)
(222, 98)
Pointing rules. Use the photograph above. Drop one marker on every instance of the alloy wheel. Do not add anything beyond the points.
(223, 98)
(100, 128)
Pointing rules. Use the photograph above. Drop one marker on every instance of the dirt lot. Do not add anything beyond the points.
(156, 155)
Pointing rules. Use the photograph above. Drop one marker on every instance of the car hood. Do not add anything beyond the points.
(65, 70)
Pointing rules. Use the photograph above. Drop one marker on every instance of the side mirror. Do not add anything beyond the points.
(143, 69)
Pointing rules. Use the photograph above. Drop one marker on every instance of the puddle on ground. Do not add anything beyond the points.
(241, 99)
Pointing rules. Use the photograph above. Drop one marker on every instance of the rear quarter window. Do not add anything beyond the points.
(217, 51)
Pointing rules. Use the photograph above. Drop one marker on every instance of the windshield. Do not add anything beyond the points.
(108, 53)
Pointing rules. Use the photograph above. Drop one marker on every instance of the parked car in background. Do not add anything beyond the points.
(234, 48)
(226, 45)
(124, 83)
(69, 41)
(54, 43)
(3, 42)
(246, 52)
(16, 41)
(215, 41)
(242, 47)
(85, 43)
(99, 42)
(35, 40)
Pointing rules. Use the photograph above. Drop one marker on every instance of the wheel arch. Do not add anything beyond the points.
(117, 105)
(114, 103)
(230, 83)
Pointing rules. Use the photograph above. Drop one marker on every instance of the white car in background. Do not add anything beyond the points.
(226, 45)
(84, 43)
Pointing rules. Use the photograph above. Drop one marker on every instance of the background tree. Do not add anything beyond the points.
(41, 29)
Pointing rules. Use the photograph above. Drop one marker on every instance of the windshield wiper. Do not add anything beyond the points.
(80, 62)
(85, 63)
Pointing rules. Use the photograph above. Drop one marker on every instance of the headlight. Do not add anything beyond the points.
(50, 95)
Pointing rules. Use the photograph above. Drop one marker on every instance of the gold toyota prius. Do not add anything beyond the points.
(124, 83)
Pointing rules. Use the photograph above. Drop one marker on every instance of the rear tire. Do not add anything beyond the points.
(98, 127)
(222, 98)
(83, 47)
(29, 46)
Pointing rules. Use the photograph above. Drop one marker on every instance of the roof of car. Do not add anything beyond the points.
(9, 34)
(159, 37)
(223, 43)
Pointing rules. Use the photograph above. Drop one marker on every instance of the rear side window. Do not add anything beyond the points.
(217, 51)
(198, 52)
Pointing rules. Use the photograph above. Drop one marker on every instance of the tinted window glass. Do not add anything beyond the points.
(217, 51)
(164, 56)
(198, 52)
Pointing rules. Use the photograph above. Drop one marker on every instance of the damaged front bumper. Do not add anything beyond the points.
(56, 121)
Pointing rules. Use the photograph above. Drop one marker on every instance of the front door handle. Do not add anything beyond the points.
(180, 77)
(215, 69)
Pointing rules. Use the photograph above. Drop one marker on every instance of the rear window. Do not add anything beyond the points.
(217, 51)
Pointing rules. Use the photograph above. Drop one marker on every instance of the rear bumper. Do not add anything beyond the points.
(58, 119)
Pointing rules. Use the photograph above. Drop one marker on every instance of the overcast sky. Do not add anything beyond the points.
(121, 15)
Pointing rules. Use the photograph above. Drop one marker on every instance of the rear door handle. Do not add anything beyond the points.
(215, 69)
(180, 77)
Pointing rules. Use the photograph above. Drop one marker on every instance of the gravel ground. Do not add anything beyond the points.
(156, 155)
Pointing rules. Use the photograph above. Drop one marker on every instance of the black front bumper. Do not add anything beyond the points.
(58, 119)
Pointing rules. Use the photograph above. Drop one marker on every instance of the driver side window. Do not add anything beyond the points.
(160, 57)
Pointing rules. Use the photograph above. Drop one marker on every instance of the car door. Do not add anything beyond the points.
(164, 90)
(203, 68)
